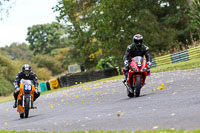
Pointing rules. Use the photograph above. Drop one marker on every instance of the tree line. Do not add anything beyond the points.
(85, 27)
(165, 24)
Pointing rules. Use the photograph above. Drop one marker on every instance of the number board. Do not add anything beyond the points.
(27, 87)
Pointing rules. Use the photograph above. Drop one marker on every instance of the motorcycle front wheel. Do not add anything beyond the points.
(137, 86)
(27, 105)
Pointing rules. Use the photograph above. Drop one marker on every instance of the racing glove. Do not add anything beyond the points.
(126, 63)
(16, 90)
(148, 64)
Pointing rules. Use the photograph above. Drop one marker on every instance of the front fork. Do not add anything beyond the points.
(31, 102)
(23, 99)
(128, 87)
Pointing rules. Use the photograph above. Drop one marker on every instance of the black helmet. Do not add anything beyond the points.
(26, 69)
(138, 39)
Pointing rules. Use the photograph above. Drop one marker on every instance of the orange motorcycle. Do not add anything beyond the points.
(25, 98)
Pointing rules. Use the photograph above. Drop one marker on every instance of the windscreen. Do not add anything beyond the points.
(25, 81)
(138, 60)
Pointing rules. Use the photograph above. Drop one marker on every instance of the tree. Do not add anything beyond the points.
(18, 51)
(49, 62)
(4, 8)
(8, 70)
(43, 38)
(78, 30)
(163, 23)
(194, 14)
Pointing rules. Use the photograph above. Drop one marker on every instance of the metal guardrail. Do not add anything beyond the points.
(185, 55)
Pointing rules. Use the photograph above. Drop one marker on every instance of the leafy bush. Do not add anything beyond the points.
(8, 70)
(18, 51)
(45, 61)
(43, 74)
(106, 63)
(6, 87)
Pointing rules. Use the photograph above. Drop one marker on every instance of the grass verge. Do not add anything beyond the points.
(190, 64)
(145, 131)
(4, 99)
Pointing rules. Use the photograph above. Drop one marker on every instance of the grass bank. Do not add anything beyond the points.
(145, 131)
(177, 66)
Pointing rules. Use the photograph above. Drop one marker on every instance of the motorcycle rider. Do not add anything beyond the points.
(137, 48)
(26, 73)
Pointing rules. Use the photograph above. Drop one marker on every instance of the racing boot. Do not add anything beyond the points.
(32, 107)
(15, 104)
(36, 95)
(15, 94)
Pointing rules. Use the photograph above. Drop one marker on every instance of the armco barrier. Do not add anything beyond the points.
(194, 52)
(163, 60)
(185, 55)
(179, 56)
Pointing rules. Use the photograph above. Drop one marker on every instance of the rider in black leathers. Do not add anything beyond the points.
(136, 49)
(26, 73)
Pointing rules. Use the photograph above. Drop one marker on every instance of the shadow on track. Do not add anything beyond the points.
(141, 96)
(32, 116)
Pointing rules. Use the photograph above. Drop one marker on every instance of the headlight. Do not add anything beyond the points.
(134, 69)
(143, 70)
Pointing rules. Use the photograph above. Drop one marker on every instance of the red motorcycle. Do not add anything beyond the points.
(136, 76)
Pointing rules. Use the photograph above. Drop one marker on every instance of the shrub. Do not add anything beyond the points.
(45, 61)
(8, 70)
(6, 87)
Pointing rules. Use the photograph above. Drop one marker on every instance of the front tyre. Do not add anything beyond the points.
(137, 86)
(27, 105)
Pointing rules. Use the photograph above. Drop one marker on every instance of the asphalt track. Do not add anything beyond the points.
(105, 106)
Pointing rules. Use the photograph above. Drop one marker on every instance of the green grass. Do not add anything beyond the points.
(177, 66)
(7, 100)
(145, 131)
